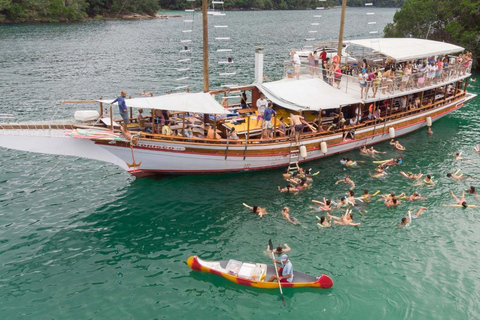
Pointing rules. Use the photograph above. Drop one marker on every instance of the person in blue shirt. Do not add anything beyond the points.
(285, 273)
(122, 108)
(267, 126)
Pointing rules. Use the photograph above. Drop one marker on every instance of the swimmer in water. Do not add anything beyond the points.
(257, 210)
(303, 185)
(351, 197)
(366, 197)
(347, 180)
(429, 130)
(477, 148)
(415, 196)
(379, 173)
(286, 215)
(428, 181)
(392, 203)
(458, 156)
(288, 189)
(279, 250)
(412, 176)
(397, 145)
(457, 176)
(345, 220)
(326, 205)
(406, 220)
(323, 222)
(460, 201)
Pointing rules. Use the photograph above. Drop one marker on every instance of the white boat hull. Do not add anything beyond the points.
(157, 157)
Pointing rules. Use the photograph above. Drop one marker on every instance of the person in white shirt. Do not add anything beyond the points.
(262, 104)
(296, 64)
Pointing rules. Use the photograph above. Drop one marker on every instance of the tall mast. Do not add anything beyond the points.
(205, 45)
(342, 24)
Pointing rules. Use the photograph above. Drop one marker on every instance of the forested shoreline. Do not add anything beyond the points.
(12, 11)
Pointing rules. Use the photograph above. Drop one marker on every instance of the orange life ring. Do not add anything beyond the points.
(336, 59)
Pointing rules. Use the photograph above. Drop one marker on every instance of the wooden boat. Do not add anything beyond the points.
(396, 109)
(254, 274)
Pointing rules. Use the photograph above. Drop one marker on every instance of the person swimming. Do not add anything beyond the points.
(397, 145)
(406, 221)
(460, 201)
(345, 220)
(257, 210)
(347, 180)
(288, 189)
(323, 222)
(286, 215)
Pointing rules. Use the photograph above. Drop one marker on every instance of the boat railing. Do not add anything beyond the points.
(36, 128)
(383, 88)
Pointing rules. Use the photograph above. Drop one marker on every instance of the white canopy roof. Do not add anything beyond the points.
(184, 102)
(305, 94)
(402, 49)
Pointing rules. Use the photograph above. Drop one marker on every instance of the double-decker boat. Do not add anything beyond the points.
(422, 81)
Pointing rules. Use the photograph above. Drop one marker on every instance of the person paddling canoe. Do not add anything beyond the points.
(285, 273)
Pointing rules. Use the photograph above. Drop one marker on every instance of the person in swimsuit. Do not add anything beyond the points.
(460, 201)
(278, 251)
(412, 176)
(405, 223)
(397, 145)
(288, 189)
(257, 210)
(347, 180)
(345, 220)
(297, 121)
(286, 215)
(323, 222)
(457, 176)
(392, 202)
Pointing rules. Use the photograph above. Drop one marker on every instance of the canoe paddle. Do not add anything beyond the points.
(270, 247)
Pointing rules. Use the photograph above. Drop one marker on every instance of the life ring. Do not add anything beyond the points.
(336, 59)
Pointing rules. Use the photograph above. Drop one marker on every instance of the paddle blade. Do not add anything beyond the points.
(270, 245)
(283, 301)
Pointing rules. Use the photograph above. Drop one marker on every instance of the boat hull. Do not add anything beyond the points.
(164, 157)
(323, 281)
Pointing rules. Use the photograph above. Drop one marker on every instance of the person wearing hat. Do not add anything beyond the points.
(285, 273)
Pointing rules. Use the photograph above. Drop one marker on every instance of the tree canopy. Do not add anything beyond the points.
(453, 21)
(71, 10)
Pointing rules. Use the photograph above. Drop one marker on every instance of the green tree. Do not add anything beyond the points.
(452, 21)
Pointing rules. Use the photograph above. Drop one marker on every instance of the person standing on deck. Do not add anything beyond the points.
(296, 121)
(122, 108)
(296, 64)
(267, 126)
(262, 104)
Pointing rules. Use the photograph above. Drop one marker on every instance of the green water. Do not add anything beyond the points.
(81, 239)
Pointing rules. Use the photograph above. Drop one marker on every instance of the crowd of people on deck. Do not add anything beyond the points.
(384, 74)
(297, 180)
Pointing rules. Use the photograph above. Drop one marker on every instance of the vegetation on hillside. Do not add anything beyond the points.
(71, 10)
(74, 10)
(453, 21)
(282, 4)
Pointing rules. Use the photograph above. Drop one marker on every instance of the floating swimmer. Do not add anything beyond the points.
(427, 181)
(345, 220)
(406, 221)
(349, 163)
(322, 222)
(415, 196)
(379, 173)
(257, 210)
(370, 151)
(477, 148)
(412, 176)
(347, 180)
(288, 189)
(286, 215)
(458, 175)
(326, 205)
(397, 145)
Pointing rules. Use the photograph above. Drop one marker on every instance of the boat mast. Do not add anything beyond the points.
(205, 46)
(340, 37)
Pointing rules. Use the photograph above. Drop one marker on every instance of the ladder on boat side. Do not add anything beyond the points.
(294, 156)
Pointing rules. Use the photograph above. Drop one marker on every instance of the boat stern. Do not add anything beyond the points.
(325, 281)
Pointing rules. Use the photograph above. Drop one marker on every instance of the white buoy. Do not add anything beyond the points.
(303, 151)
(391, 132)
(323, 147)
(429, 121)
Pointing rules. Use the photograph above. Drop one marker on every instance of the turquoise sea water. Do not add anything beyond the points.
(81, 239)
